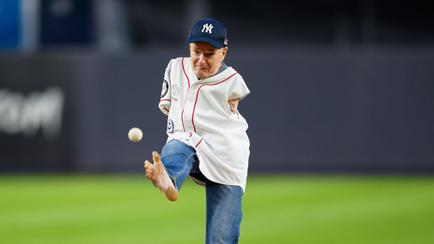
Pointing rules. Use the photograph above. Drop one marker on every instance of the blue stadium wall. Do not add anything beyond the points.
(310, 110)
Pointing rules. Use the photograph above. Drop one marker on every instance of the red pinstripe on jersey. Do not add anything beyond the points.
(188, 80)
(185, 73)
(201, 139)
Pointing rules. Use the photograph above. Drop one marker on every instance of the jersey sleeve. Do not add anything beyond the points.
(165, 98)
(239, 89)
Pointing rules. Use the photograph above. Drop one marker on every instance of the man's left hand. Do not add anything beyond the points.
(233, 104)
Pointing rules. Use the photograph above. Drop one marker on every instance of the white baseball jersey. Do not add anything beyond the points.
(199, 115)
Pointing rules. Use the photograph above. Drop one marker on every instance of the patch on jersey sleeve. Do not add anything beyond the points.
(170, 126)
(165, 88)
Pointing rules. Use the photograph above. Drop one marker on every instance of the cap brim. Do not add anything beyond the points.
(208, 40)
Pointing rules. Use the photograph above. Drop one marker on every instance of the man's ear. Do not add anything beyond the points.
(224, 51)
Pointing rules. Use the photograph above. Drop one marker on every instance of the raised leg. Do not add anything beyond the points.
(169, 172)
(157, 173)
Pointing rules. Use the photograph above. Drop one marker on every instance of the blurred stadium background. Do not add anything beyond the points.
(341, 119)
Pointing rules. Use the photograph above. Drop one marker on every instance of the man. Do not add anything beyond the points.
(206, 134)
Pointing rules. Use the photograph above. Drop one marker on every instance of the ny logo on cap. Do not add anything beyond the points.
(207, 28)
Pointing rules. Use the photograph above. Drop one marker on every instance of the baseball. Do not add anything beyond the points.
(135, 134)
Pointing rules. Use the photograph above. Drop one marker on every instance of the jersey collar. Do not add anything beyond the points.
(228, 70)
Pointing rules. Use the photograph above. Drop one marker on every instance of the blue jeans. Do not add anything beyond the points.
(223, 202)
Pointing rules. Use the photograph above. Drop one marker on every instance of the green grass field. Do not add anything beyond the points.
(277, 209)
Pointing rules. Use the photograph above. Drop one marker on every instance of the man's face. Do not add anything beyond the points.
(206, 59)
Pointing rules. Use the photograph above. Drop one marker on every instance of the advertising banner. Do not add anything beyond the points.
(35, 132)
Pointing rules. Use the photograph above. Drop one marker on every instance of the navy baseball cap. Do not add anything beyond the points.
(210, 31)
